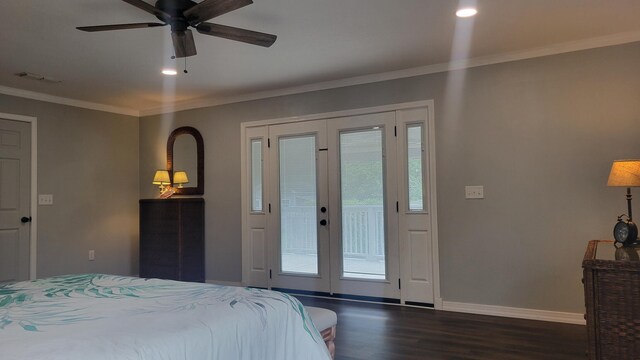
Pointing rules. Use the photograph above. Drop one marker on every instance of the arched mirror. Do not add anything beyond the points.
(185, 152)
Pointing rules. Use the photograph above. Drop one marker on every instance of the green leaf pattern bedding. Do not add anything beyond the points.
(95, 316)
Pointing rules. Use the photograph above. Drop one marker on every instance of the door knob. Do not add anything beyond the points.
(25, 219)
(323, 222)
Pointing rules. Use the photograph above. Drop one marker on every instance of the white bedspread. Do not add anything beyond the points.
(113, 317)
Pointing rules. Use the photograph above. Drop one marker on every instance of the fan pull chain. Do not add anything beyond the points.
(185, 58)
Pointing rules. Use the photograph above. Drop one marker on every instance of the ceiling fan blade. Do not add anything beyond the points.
(140, 4)
(208, 9)
(237, 34)
(119, 27)
(183, 43)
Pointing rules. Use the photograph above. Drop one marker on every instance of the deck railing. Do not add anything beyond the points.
(362, 231)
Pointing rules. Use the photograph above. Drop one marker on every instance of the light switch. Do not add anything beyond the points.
(474, 192)
(45, 199)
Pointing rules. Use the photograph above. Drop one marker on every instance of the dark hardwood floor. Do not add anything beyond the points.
(373, 332)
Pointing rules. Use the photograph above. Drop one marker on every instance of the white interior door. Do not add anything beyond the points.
(15, 167)
(299, 234)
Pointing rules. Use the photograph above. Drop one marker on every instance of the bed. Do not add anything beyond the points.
(96, 316)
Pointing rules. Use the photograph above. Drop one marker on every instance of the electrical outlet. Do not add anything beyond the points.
(45, 199)
(92, 255)
(474, 192)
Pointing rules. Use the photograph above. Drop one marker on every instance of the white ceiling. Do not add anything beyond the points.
(319, 41)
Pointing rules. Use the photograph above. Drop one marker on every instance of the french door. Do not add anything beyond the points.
(299, 227)
(339, 206)
(364, 222)
(332, 225)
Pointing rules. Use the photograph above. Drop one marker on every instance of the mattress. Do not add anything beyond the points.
(96, 316)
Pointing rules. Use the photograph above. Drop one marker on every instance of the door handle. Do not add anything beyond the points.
(323, 222)
(25, 219)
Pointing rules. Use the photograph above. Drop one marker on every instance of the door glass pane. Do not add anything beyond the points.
(414, 167)
(362, 204)
(298, 229)
(256, 175)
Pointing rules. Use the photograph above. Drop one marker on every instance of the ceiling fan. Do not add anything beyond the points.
(182, 14)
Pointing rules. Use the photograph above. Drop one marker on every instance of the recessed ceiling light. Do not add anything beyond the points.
(466, 12)
(169, 72)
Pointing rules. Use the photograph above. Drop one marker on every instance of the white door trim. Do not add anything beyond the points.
(341, 113)
(33, 240)
(429, 104)
(433, 205)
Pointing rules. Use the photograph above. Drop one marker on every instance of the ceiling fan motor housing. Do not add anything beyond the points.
(175, 8)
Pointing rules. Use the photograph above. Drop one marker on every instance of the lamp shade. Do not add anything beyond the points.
(161, 178)
(625, 173)
(180, 177)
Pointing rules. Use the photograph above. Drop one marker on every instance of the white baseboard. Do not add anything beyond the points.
(225, 283)
(493, 310)
(520, 313)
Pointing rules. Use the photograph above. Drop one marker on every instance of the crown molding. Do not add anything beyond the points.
(591, 43)
(603, 41)
(67, 101)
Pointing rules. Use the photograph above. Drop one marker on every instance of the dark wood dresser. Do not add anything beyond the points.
(612, 298)
(172, 239)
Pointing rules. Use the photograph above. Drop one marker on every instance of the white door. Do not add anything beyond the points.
(15, 165)
(298, 225)
(333, 209)
(340, 206)
(414, 218)
(363, 197)
(256, 249)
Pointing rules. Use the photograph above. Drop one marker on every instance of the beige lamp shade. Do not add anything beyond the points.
(161, 178)
(180, 177)
(625, 173)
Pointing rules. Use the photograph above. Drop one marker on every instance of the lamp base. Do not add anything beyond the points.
(168, 191)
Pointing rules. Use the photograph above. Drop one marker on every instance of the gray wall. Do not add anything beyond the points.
(539, 134)
(88, 160)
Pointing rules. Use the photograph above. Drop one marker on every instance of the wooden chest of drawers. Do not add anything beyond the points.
(172, 239)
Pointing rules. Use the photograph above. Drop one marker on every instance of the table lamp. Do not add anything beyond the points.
(161, 178)
(625, 173)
